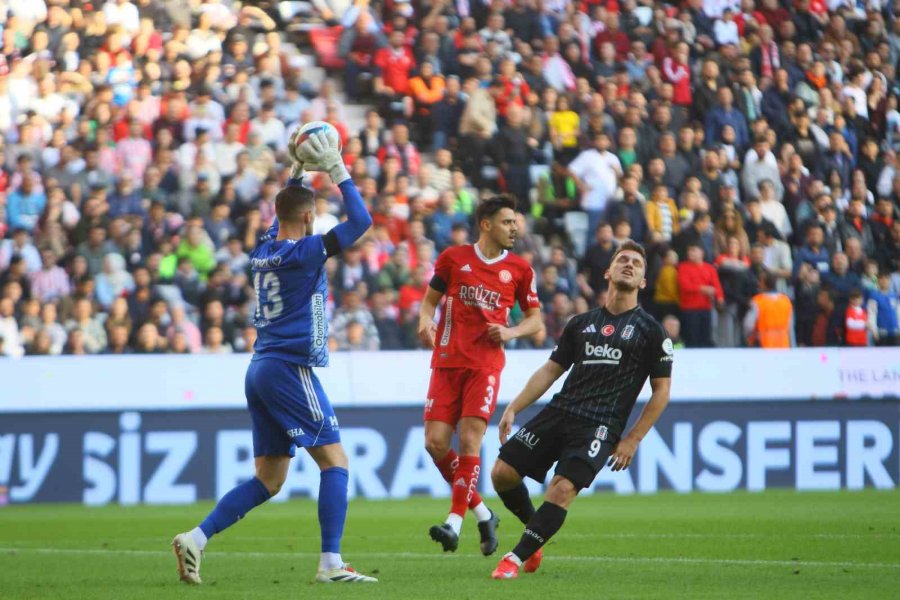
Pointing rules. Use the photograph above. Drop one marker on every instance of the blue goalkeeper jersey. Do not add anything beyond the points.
(291, 290)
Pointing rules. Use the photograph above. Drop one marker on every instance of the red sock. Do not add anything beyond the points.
(465, 480)
(447, 466)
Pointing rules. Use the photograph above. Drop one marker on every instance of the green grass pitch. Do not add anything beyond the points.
(769, 545)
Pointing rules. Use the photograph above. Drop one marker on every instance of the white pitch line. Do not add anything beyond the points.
(580, 535)
(432, 556)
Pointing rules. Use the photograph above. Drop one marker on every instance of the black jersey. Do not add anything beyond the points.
(611, 357)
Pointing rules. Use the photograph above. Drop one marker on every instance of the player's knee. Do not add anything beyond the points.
(504, 477)
(561, 492)
(470, 440)
(437, 446)
(273, 483)
(329, 457)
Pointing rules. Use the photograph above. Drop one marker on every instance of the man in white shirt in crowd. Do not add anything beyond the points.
(270, 128)
(596, 172)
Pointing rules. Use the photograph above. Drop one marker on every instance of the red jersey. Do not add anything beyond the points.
(395, 67)
(478, 292)
(855, 323)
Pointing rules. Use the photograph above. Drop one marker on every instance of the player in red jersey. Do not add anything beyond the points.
(482, 283)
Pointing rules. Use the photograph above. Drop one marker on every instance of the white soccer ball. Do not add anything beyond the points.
(302, 134)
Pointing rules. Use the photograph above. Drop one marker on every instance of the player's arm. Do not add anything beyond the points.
(530, 325)
(427, 327)
(659, 359)
(321, 149)
(534, 390)
(561, 359)
(440, 282)
(526, 295)
(624, 453)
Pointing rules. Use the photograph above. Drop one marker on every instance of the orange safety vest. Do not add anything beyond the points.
(773, 320)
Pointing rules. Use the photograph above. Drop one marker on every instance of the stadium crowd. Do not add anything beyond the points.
(752, 146)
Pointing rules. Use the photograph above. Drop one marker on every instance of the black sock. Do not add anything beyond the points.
(518, 502)
(540, 528)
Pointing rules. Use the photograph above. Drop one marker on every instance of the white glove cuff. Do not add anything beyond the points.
(339, 173)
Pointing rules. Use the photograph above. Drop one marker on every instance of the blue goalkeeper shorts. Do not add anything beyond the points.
(288, 407)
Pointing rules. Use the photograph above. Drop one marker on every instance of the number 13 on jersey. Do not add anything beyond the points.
(268, 295)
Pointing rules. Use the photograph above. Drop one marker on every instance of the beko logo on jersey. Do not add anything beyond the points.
(479, 296)
(602, 355)
(265, 263)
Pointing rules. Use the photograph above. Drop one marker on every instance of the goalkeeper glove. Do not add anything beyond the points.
(322, 152)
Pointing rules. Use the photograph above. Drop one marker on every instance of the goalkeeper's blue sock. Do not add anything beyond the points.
(332, 514)
(232, 507)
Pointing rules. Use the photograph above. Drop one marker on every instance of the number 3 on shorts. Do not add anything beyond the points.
(488, 400)
(595, 448)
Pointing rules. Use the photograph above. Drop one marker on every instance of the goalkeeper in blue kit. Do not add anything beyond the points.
(287, 404)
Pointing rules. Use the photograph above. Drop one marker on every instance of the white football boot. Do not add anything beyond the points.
(343, 574)
(188, 554)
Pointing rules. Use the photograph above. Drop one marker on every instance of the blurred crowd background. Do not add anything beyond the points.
(750, 145)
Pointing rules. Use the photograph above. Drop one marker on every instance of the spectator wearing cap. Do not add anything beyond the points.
(699, 288)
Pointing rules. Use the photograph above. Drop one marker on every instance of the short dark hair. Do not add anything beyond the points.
(632, 246)
(769, 281)
(491, 206)
(291, 201)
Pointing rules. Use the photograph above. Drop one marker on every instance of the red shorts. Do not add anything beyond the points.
(455, 393)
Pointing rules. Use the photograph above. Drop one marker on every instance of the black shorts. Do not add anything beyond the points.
(580, 447)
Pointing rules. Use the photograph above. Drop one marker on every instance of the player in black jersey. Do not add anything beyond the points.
(611, 351)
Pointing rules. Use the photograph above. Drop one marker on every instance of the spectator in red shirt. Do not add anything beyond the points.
(698, 286)
(511, 88)
(677, 71)
(614, 35)
(856, 321)
(397, 227)
(392, 68)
